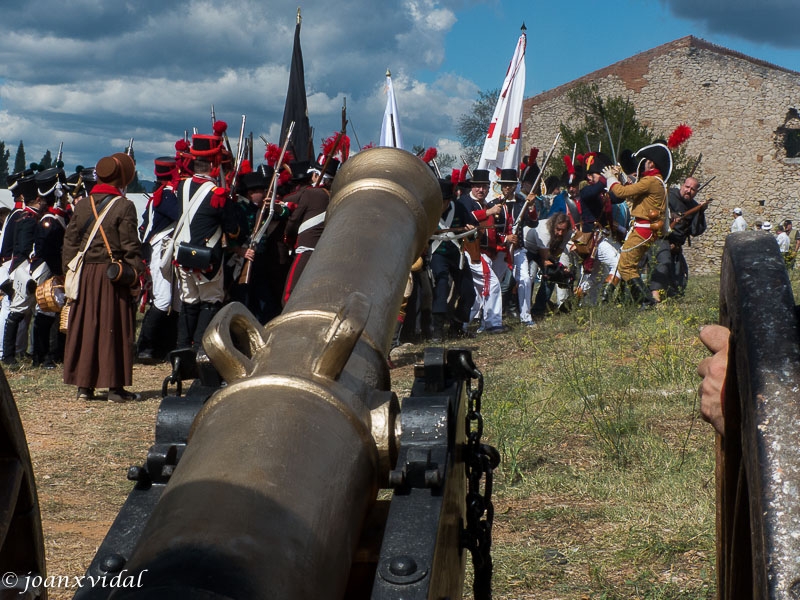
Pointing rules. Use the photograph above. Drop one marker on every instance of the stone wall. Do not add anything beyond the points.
(739, 109)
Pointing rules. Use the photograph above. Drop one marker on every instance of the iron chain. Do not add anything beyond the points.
(480, 461)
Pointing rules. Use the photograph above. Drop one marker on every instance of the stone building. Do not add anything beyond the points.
(745, 115)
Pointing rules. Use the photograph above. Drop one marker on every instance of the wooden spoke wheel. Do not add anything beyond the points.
(758, 459)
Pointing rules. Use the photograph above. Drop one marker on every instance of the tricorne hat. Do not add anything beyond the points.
(117, 170)
(507, 176)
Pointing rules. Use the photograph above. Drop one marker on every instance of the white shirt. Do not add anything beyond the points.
(783, 242)
(739, 224)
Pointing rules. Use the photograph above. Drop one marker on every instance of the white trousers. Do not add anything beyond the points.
(604, 265)
(485, 280)
(522, 274)
(163, 290)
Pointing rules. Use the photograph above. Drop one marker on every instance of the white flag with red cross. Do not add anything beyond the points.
(501, 150)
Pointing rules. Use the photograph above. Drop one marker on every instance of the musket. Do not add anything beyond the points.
(128, 150)
(260, 229)
(464, 160)
(622, 125)
(337, 140)
(213, 116)
(697, 164)
(695, 209)
(250, 148)
(532, 195)
(436, 168)
(608, 131)
(60, 153)
(239, 157)
(705, 184)
(586, 137)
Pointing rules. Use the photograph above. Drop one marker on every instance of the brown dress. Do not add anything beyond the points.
(99, 349)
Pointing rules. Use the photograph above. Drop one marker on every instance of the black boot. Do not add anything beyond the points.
(207, 312)
(10, 338)
(152, 328)
(438, 328)
(187, 324)
(168, 339)
(639, 292)
(42, 324)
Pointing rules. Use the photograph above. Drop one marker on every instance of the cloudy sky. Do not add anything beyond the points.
(94, 73)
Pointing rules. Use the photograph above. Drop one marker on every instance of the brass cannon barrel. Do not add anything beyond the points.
(282, 466)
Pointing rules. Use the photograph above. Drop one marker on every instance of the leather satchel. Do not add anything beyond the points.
(194, 258)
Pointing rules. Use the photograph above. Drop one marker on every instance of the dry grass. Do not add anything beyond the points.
(573, 520)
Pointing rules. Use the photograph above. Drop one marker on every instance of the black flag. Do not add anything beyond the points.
(296, 108)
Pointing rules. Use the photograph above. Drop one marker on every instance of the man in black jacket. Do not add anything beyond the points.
(670, 272)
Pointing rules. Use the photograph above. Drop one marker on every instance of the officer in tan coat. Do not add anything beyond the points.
(648, 201)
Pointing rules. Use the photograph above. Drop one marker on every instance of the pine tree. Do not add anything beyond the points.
(46, 162)
(4, 156)
(19, 161)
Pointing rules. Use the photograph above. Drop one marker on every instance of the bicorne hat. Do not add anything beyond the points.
(595, 162)
(660, 155)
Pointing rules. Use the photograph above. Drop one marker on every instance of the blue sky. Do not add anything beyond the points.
(94, 73)
(568, 40)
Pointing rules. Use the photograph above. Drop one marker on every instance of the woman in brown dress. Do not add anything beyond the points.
(99, 348)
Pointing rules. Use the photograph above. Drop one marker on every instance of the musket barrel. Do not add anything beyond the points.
(270, 496)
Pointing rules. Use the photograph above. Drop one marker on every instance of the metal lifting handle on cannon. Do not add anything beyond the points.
(267, 487)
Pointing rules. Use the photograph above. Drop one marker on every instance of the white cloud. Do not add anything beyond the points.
(104, 71)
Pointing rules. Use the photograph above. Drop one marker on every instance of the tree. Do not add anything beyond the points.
(4, 156)
(473, 126)
(607, 122)
(46, 162)
(19, 161)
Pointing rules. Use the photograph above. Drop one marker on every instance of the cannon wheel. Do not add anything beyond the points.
(758, 459)
(21, 541)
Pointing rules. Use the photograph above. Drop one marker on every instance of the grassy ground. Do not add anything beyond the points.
(606, 487)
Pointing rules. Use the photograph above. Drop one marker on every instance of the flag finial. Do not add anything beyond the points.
(299, 18)
(523, 28)
(388, 73)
